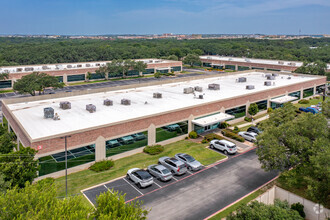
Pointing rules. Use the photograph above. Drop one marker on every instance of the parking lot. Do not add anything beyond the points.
(132, 191)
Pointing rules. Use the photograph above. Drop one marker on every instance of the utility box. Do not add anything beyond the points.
(188, 90)
(198, 89)
(250, 87)
(65, 105)
(267, 83)
(107, 102)
(275, 74)
(214, 86)
(201, 97)
(126, 102)
(271, 77)
(48, 112)
(157, 95)
(241, 79)
(91, 108)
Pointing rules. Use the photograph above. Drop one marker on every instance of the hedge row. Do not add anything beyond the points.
(232, 135)
(153, 150)
(102, 165)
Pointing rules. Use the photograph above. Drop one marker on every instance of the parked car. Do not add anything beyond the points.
(139, 136)
(160, 172)
(126, 140)
(140, 177)
(254, 130)
(309, 109)
(191, 163)
(176, 166)
(249, 136)
(223, 145)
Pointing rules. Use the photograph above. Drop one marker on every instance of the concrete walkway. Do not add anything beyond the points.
(251, 123)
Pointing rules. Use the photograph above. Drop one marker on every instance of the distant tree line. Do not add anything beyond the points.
(22, 51)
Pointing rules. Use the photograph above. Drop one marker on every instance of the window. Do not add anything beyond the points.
(320, 89)
(171, 131)
(176, 68)
(59, 78)
(5, 84)
(97, 76)
(73, 78)
(238, 112)
(149, 71)
(295, 94)
(308, 92)
(262, 105)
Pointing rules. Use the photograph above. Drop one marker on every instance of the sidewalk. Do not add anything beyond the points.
(251, 123)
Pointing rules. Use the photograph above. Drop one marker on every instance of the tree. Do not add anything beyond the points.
(326, 108)
(88, 76)
(315, 68)
(19, 167)
(173, 57)
(113, 68)
(103, 72)
(139, 66)
(36, 82)
(4, 185)
(111, 205)
(260, 211)
(192, 59)
(4, 76)
(280, 116)
(6, 143)
(253, 109)
(39, 201)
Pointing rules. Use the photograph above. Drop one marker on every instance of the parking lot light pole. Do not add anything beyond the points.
(66, 165)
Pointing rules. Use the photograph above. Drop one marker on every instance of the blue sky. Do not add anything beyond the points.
(164, 16)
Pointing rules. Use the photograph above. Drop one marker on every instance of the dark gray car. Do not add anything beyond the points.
(176, 166)
(191, 162)
(160, 172)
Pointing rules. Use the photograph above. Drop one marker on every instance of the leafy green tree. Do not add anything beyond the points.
(198, 52)
(280, 116)
(253, 109)
(4, 185)
(173, 57)
(177, 52)
(326, 108)
(4, 76)
(315, 68)
(88, 76)
(6, 143)
(111, 205)
(113, 68)
(139, 66)
(39, 201)
(19, 167)
(192, 59)
(260, 211)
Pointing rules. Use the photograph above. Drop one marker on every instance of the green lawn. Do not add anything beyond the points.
(6, 91)
(314, 101)
(87, 178)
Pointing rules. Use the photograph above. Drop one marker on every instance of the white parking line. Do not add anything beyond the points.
(189, 172)
(157, 184)
(108, 189)
(132, 186)
(174, 178)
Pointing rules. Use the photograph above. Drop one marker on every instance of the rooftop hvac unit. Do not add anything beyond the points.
(198, 89)
(267, 75)
(241, 79)
(107, 102)
(48, 112)
(44, 67)
(69, 66)
(289, 77)
(201, 97)
(280, 62)
(188, 90)
(79, 65)
(65, 105)
(249, 87)
(275, 74)
(271, 77)
(214, 86)
(28, 68)
(88, 65)
(19, 69)
(126, 102)
(91, 108)
(157, 95)
(267, 83)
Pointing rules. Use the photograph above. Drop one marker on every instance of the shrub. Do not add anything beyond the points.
(102, 165)
(223, 125)
(232, 135)
(303, 101)
(299, 208)
(204, 141)
(236, 130)
(210, 137)
(186, 138)
(153, 150)
(247, 119)
(269, 110)
(157, 75)
(193, 135)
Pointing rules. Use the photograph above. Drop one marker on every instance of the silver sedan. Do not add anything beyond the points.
(250, 136)
(160, 172)
(191, 163)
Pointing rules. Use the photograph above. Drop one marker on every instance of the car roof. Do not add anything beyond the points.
(252, 133)
(254, 127)
(227, 142)
(160, 167)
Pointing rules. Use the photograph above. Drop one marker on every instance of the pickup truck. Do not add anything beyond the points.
(309, 109)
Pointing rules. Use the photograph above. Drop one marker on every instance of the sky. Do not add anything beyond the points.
(98, 17)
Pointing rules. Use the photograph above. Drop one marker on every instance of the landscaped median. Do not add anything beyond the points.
(87, 178)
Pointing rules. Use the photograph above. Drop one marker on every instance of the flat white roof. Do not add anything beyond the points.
(212, 119)
(261, 61)
(30, 114)
(283, 99)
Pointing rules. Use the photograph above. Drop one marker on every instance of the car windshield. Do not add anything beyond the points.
(165, 171)
(182, 166)
(189, 158)
(231, 146)
(143, 174)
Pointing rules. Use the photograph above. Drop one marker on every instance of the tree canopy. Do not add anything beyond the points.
(253, 109)
(192, 59)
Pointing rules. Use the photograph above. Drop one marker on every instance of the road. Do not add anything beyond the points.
(204, 193)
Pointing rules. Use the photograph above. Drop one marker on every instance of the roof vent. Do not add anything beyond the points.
(126, 102)
(289, 77)
(157, 95)
(79, 65)
(19, 69)
(87, 65)
(188, 90)
(69, 66)
(271, 77)
(241, 79)
(201, 97)
(249, 87)
(198, 89)
(65, 105)
(48, 112)
(275, 74)
(28, 68)
(267, 83)
(44, 67)
(107, 102)
(280, 62)
(214, 86)
(91, 108)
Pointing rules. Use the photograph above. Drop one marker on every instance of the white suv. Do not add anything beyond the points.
(226, 146)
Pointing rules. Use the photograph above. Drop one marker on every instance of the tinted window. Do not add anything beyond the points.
(189, 158)
(143, 175)
(231, 146)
